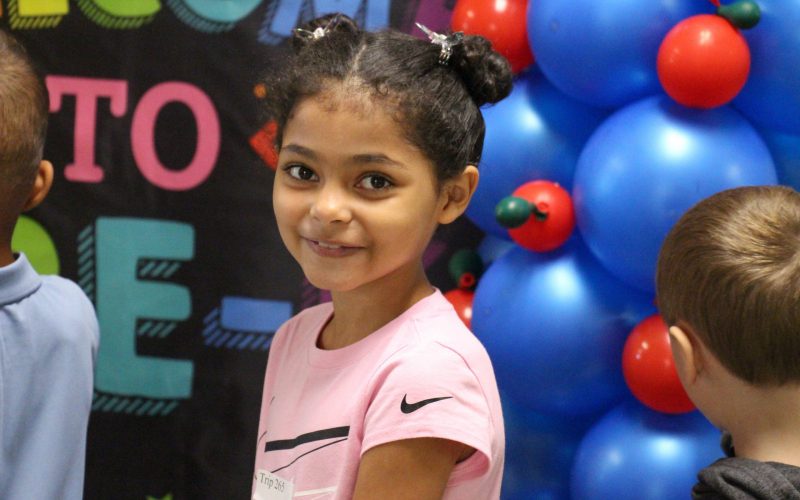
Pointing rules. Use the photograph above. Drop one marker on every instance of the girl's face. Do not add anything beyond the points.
(355, 203)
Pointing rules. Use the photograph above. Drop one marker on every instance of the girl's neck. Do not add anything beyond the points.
(359, 312)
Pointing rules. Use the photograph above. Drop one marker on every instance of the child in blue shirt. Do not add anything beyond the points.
(48, 329)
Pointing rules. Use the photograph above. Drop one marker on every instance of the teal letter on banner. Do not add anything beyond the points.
(122, 299)
(212, 16)
(230, 11)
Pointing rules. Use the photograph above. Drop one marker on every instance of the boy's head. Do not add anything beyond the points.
(24, 177)
(729, 279)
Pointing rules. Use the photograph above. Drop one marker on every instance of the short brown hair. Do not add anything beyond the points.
(23, 118)
(730, 269)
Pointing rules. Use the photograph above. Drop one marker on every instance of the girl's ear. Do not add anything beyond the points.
(41, 185)
(688, 355)
(456, 193)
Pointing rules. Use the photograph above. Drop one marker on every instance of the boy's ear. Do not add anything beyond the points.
(456, 194)
(41, 185)
(687, 354)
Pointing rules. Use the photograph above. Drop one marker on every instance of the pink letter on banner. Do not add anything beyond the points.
(86, 91)
(208, 136)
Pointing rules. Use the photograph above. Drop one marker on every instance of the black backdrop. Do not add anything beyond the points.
(178, 250)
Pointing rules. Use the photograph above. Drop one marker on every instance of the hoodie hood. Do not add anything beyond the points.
(745, 479)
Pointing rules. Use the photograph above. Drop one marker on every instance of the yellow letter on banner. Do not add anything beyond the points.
(36, 14)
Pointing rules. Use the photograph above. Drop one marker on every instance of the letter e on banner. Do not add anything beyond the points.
(143, 139)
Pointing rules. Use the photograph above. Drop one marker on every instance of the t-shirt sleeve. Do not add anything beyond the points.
(429, 391)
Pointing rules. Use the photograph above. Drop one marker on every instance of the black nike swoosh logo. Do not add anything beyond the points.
(407, 407)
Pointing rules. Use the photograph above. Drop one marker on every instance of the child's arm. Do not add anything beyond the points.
(408, 469)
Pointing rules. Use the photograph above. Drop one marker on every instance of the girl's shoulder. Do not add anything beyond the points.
(443, 332)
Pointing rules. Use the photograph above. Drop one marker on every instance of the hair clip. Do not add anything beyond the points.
(447, 42)
(320, 31)
(313, 35)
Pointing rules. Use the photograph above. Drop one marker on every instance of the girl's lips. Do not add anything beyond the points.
(325, 249)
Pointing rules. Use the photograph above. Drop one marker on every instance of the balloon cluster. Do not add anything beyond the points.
(632, 113)
(465, 268)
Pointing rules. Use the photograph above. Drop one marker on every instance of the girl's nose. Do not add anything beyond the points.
(331, 205)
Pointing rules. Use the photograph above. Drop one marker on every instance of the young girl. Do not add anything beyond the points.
(382, 393)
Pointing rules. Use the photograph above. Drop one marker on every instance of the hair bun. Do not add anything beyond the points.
(331, 23)
(485, 72)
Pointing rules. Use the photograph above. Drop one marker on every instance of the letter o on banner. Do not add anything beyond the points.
(143, 141)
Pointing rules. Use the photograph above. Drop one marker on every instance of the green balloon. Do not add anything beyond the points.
(463, 262)
(32, 239)
(512, 211)
(743, 14)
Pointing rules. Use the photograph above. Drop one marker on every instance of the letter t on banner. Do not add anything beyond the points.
(86, 91)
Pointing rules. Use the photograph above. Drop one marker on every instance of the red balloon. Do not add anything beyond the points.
(649, 369)
(462, 302)
(503, 22)
(551, 232)
(703, 62)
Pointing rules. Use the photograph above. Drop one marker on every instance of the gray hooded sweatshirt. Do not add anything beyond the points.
(744, 479)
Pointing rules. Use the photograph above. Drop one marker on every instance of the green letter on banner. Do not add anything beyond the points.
(114, 14)
(33, 240)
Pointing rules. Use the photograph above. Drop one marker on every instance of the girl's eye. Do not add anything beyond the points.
(375, 182)
(301, 172)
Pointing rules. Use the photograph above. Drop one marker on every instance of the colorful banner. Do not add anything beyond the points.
(161, 211)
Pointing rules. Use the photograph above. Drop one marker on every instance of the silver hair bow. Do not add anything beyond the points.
(314, 35)
(320, 31)
(447, 42)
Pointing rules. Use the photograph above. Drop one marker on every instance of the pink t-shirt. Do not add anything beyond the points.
(424, 374)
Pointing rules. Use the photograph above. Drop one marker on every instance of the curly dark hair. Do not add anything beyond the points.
(437, 105)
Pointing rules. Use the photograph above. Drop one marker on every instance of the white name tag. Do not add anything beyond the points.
(271, 487)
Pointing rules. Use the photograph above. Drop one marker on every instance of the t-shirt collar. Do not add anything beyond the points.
(18, 280)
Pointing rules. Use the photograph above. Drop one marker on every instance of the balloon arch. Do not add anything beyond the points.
(631, 113)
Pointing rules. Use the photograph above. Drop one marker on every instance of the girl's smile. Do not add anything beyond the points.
(330, 249)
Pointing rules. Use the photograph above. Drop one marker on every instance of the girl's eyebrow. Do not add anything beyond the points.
(377, 158)
(301, 150)
(363, 158)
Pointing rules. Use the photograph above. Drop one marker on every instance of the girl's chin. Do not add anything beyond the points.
(331, 285)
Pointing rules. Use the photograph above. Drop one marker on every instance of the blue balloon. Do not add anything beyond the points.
(636, 453)
(771, 96)
(492, 248)
(554, 326)
(540, 450)
(604, 52)
(785, 149)
(648, 164)
(534, 133)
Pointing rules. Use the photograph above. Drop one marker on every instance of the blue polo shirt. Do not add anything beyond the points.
(48, 342)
